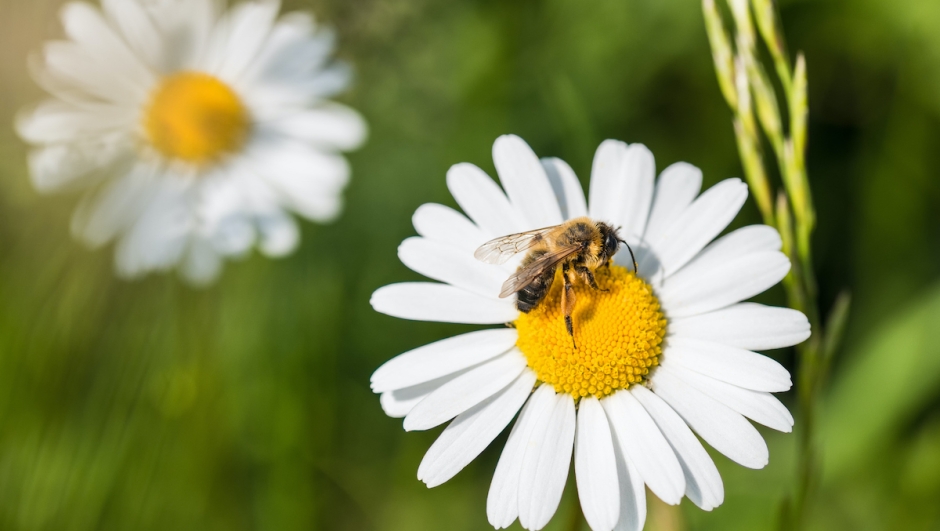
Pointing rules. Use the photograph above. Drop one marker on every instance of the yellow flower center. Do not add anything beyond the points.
(196, 118)
(619, 334)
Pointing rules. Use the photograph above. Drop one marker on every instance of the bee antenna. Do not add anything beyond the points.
(632, 257)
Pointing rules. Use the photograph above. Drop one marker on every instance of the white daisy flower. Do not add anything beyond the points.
(194, 130)
(659, 355)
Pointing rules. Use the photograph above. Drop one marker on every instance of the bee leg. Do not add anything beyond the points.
(568, 299)
(588, 277)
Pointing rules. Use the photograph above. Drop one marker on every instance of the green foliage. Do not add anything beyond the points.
(148, 405)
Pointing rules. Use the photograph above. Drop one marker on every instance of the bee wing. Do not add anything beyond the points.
(499, 250)
(524, 276)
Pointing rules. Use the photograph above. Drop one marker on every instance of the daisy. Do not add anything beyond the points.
(193, 131)
(661, 355)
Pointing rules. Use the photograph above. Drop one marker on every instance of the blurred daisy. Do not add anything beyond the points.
(659, 355)
(193, 130)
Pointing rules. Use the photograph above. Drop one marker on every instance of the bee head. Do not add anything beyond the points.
(611, 240)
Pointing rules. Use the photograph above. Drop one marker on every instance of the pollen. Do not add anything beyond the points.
(195, 118)
(618, 332)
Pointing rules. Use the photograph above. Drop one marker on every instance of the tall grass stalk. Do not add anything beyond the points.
(761, 118)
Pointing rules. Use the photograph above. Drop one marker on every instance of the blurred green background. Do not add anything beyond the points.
(149, 405)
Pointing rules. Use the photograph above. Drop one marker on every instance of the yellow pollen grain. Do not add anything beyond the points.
(619, 334)
(196, 118)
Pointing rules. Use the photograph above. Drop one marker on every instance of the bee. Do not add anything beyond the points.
(580, 245)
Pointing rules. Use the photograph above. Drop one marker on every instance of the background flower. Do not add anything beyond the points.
(195, 128)
(149, 406)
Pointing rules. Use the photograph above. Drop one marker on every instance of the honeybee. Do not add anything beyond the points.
(580, 245)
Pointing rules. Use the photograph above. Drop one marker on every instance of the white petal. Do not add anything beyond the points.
(466, 391)
(85, 25)
(201, 264)
(545, 464)
(595, 467)
(608, 183)
(760, 407)
(695, 293)
(737, 244)
(502, 501)
(69, 70)
(59, 166)
(698, 224)
(482, 200)
(448, 264)
(158, 236)
(675, 190)
(632, 492)
(567, 188)
(702, 482)
(525, 182)
(426, 301)
(472, 431)
(442, 358)
(57, 121)
(238, 37)
(279, 234)
(400, 402)
(746, 325)
(729, 364)
(445, 225)
(137, 29)
(330, 126)
(639, 171)
(307, 180)
(724, 429)
(103, 213)
(646, 447)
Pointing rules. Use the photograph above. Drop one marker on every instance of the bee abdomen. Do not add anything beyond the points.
(530, 296)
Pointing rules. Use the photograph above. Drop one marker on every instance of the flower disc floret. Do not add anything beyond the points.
(619, 332)
(196, 118)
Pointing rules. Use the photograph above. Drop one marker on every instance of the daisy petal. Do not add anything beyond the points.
(525, 182)
(639, 173)
(400, 402)
(646, 447)
(279, 234)
(329, 126)
(607, 180)
(472, 431)
(700, 292)
(58, 166)
(726, 430)
(201, 264)
(445, 225)
(739, 367)
(426, 301)
(746, 325)
(450, 265)
(698, 224)
(57, 121)
(632, 492)
(442, 358)
(737, 244)
(103, 213)
(567, 188)
(702, 482)
(760, 407)
(675, 190)
(137, 29)
(502, 501)
(482, 200)
(465, 391)
(545, 464)
(85, 25)
(238, 37)
(596, 467)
